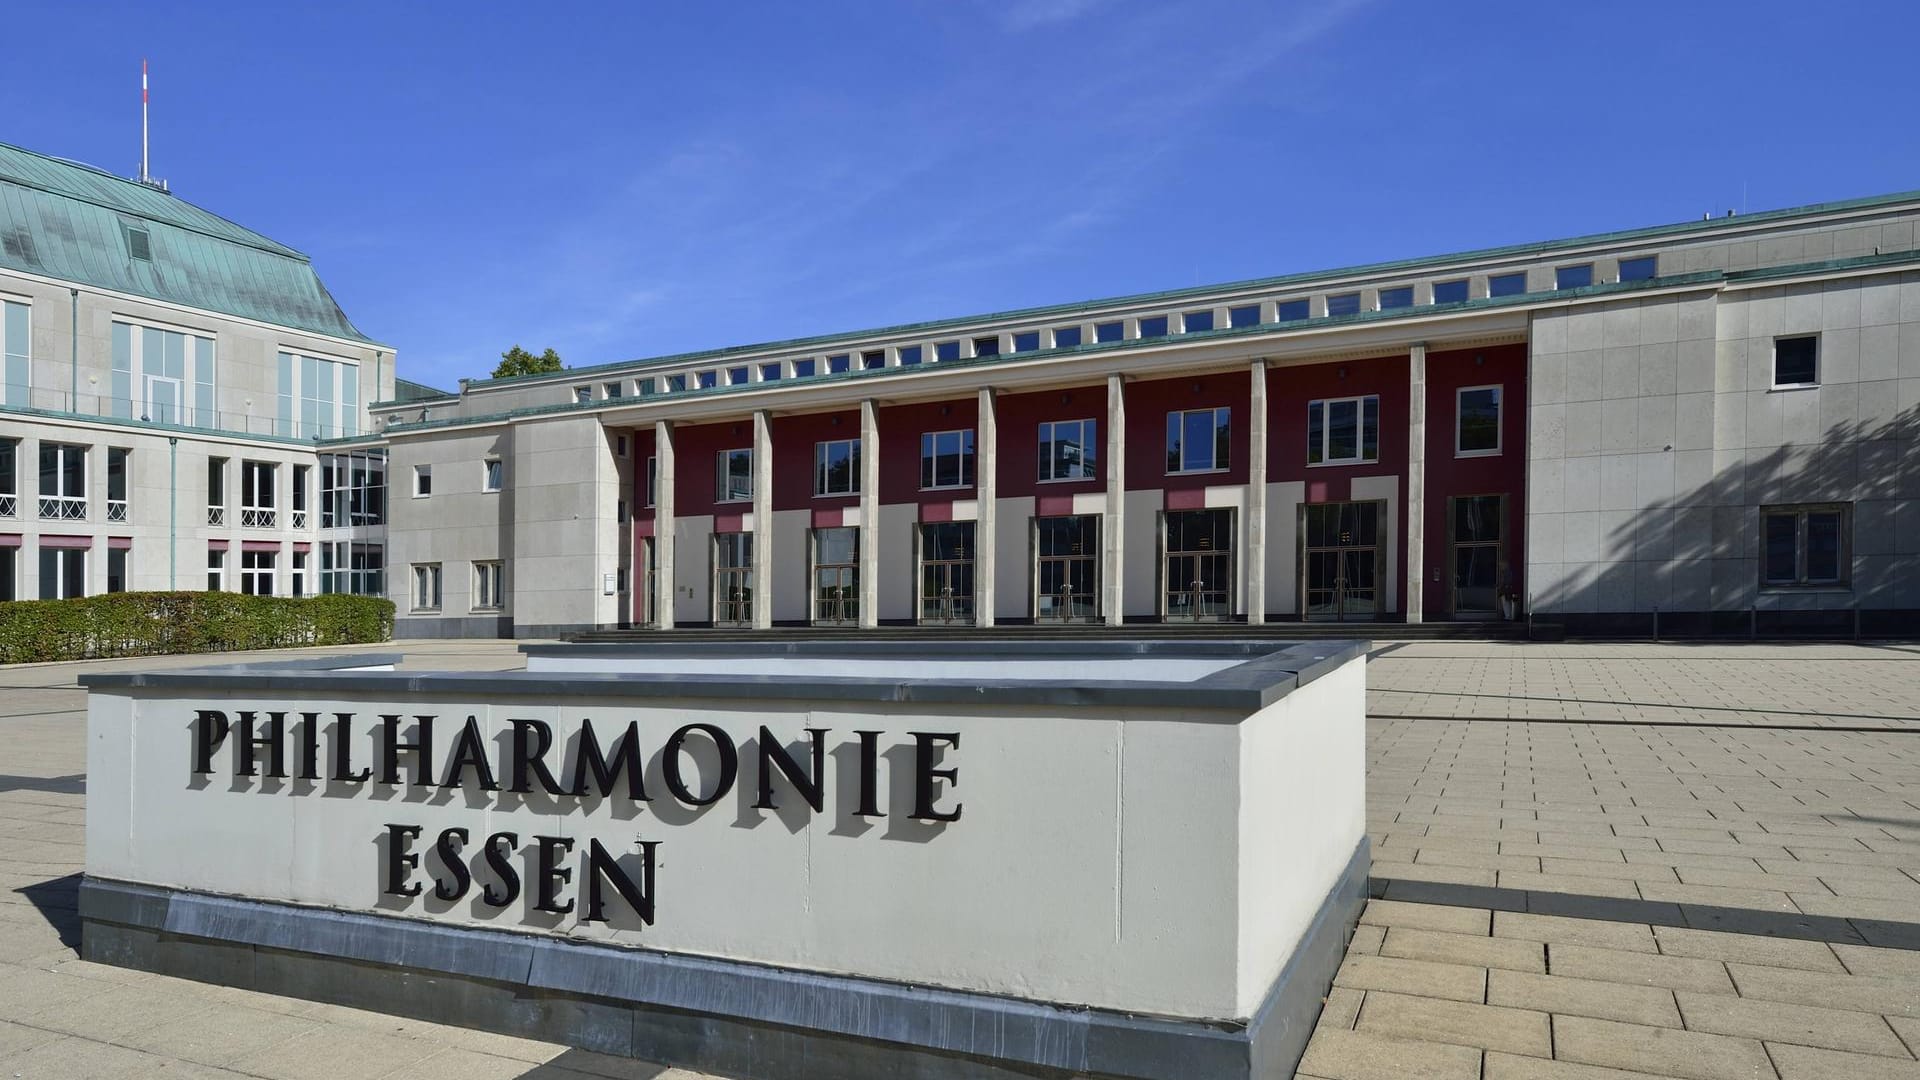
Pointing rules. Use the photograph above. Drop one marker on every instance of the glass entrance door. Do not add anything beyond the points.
(836, 576)
(1477, 532)
(946, 572)
(1067, 555)
(1340, 561)
(732, 579)
(1198, 570)
(649, 593)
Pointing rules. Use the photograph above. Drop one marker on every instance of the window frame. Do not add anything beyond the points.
(819, 474)
(1360, 431)
(423, 472)
(1045, 436)
(1774, 363)
(498, 590)
(723, 472)
(965, 449)
(253, 575)
(493, 475)
(1216, 466)
(422, 574)
(1579, 266)
(1466, 290)
(1380, 298)
(1499, 420)
(1343, 297)
(1801, 512)
(1303, 304)
(1493, 289)
(653, 477)
(1653, 268)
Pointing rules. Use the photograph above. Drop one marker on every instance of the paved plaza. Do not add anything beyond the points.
(1591, 862)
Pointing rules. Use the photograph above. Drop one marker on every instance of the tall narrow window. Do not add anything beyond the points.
(733, 476)
(117, 569)
(118, 463)
(297, 581)
(216, 569)
(217, 491)
(422, 481)
(946, 459)
(426, 586)
(489, 585)
(1477, 421)
(836, 467)
(1198, 440)
(1343, 431)
(653, 479)
(493, 473)
(1069, 449)
(299, 496)
(836, 576)
(14, 339)
(63, 482)
(258, 480)
(9, 573)
(9, 478)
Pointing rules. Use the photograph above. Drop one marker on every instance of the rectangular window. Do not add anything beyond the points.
(63, 482)
(1246, 315)
(836, 467)
(1066, 337)
(353, 493)
(1293, 310)
(1197, 440)
(1507, 284)
(707, 380)
(1476, 421)
(9, 573)
(804, 368)
(1640, 269)
(946, 459)
(14, 339)
(63, 573)
(1573, 277)
(946, 572)
(318, 397)
(1806, 545)
(1153, 326)
(257, 572)
(1194, 322)
(297, 581)
(163, 376)
(738, 376)
(426, 586)
(216, 569)
(836, 576)
(1796, 361)
(9, 478)
(770, 372)
(1450, 292)
(1068, 450)
(493, 473)
(489, 585)
(612, 390)
(582, 394)
(946, 350)
(986, 346)
(644, 387)
(911, 354)
(1109, 331)
(355, 569)
(118, 464)
(839, 363)
(217, 491)
(620, 511)
(1066, 568)
(733, 476)
(300, 496)
(676, 383)
(620, 445)
(873, 360)
(1343, 431)
(422, 481)
(117, 569)
(1026, 341)
(1398, 297)
(258, 480)
(1344, 304)
(653, 478)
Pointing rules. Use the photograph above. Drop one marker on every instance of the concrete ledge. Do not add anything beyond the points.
(699, 1012)
(452, 626)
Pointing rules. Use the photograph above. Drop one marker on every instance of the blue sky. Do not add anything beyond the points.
(625, 180)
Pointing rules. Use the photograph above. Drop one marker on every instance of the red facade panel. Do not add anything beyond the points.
(696, 450)
(900, 429)
(1020, 417)
(1148, 404)
(1450, 475)
(794, 438)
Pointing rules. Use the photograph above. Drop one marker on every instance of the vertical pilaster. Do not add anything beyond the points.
(1416, 481)
(762, 520)
(869, 516)
(1113, 526)
(1257, 496)
(987, 487)
(663, 580)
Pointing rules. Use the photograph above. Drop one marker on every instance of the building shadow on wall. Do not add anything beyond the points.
(1689, 564)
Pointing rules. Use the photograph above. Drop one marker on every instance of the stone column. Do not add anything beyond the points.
(869, 516)
(1416, 511)
(663, 587)
(762, 520)
(1257, 497)
(1113, 528)
(986, 488)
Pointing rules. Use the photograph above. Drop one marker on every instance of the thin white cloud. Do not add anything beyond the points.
(1022, 15)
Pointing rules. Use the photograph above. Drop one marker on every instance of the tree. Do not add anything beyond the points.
(518, 361)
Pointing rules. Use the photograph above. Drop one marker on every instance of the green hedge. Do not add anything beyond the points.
(147, 623)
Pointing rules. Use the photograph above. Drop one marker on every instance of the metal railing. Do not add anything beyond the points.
(299, 519)
(216, 515)
(116, 509)
(9, 506)
(63, 507)
(258, 517)
(51, 399)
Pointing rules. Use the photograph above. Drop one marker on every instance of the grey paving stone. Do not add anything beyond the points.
(1751, 899)
(1468, 949)
(337, 1054)
(1801, 1025)
(1341, 1008)
(216, 1034)
(1747, 949)
(1638, 969)
(1866, 960)
(1649, 1005)
(1488, 1027)
(1453, 920)
(1514, 1067)
(1359, 1055)
(1892, 996)
(1658, 1050)
(1420, 977)
(1807, 1063)
(1366, 940)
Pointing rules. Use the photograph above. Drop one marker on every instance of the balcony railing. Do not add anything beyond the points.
(258, 517)
(63, 507)
(299, 519)
(116, 509)
(51, 399)
(216, 515)
(9, 506)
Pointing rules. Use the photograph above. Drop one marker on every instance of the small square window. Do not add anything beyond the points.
(1247, 315)
(495, 472)
(1026, 341)
(1450, 292)
(1153, 326)
(1194, 322)
(946, 350)
(1293, 310)
(1641, 269)
(839, 363)
(803, 369)
(1573, 277)
(1399, 297)
(1109, 331)
(1796, 361)
(986, 346)
(612, 390)
(645, 386)
(737, 376)
(422, 481)
(770, 372)
(582, 394)
(1344, 304)
(873, 360)
(676, 383)
(1198, 440)
(709, 380)
(1507, 285)
(911, 354)
(1066, 337)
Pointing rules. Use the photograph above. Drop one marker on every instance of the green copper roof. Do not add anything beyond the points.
(73, 222)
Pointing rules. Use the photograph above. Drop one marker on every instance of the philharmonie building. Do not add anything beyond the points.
(1705, 428)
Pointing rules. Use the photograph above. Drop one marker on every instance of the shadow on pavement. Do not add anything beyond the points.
(58, 901)
(53, 785)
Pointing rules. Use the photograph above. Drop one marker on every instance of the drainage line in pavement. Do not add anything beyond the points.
(1912, 727)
